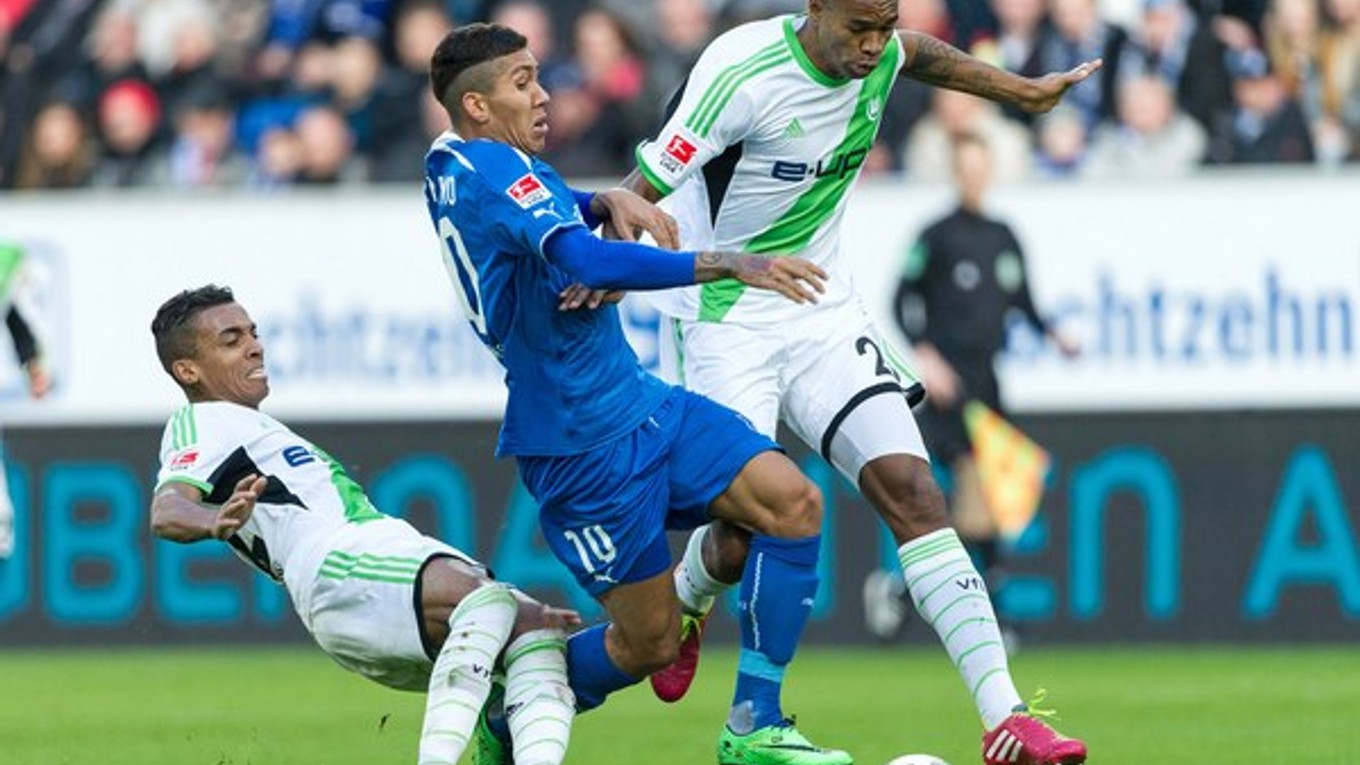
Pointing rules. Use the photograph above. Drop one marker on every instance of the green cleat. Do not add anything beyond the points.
(775, 745)
(487, 747)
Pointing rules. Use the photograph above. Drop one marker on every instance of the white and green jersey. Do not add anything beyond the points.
(780, 144)
(308, 500)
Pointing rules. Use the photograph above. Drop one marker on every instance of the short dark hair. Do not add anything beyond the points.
(171, 327)
(466, 47)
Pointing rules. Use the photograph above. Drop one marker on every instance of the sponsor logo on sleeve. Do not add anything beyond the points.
(184, 460)
(677, 155)
(528, 191)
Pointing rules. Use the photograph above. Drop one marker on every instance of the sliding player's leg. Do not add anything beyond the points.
(461, 679)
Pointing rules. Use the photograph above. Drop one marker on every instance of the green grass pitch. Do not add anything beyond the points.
(291, 706)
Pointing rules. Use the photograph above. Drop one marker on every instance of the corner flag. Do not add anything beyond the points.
(1011, 465)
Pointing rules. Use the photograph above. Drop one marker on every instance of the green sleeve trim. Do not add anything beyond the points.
(202, 486)
(651, 177)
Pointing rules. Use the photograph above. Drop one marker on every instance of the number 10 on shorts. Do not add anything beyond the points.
(593, 545)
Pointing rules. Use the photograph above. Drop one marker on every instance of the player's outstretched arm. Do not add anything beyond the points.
(936, 62)
(179, 514)
(601, 265)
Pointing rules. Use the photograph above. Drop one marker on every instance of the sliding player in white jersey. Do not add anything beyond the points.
(759, 155)
(383, 600)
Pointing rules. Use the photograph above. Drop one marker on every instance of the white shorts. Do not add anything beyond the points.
(363, 610)
(829, 375)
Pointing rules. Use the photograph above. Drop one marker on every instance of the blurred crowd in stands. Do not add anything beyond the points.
(269, 94)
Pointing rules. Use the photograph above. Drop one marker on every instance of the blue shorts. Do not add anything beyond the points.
(605, 512)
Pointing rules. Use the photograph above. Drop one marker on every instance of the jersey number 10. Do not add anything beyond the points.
(464, 276)
(594, 547)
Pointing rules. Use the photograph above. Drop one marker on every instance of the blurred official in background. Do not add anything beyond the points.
(962, 278)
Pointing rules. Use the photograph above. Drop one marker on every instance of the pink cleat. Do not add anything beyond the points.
(672, 683)
(1025, 740)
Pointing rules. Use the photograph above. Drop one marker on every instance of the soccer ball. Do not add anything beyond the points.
(917, 759)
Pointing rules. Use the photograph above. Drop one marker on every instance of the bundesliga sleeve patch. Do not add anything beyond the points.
(528, 191)
(677, 155)
(184, 460)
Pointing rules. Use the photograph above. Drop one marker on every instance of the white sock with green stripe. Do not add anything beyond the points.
(695, 587)
(951, 596)
(461, 678)
(539, 705)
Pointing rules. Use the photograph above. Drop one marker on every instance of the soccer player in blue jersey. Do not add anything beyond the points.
(613, 455)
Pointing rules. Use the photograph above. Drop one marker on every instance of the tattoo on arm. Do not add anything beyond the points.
(711, 266)
(936, 62)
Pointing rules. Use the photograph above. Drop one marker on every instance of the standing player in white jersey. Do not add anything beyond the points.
(759, 155)
(381, 599)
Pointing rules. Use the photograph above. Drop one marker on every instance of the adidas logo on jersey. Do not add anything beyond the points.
(794, 129)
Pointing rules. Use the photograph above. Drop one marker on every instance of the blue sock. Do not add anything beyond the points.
(777, 588)
(590, 672)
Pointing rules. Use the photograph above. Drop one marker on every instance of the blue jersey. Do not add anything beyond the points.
(574, 382)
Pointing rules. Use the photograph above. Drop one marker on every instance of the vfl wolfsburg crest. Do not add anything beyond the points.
(874, 108)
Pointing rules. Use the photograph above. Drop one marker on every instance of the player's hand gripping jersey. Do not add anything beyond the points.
(780, 144)
(574, 381)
